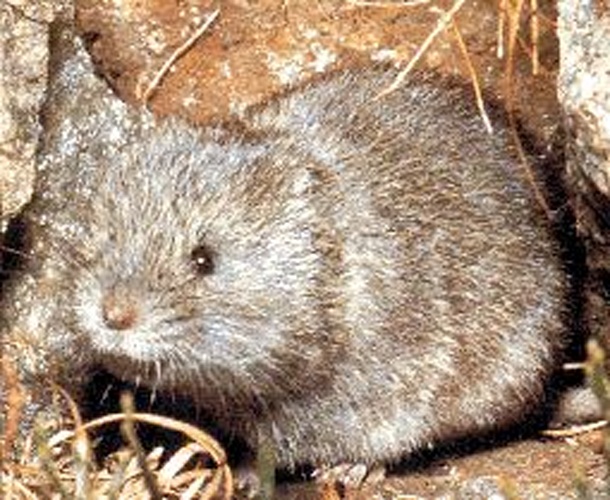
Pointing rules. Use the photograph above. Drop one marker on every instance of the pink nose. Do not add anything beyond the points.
(119, 311)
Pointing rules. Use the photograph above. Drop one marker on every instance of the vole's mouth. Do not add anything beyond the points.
(140, 371)
(138, 345)
(123, 328)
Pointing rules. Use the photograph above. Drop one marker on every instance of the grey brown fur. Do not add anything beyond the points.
(378, 277)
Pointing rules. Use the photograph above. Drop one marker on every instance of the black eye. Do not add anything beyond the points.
(203, 260)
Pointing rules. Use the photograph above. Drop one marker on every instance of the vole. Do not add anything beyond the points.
(358, 275)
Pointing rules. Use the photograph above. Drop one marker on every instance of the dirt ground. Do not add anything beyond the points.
(531, 469)
(238, 52)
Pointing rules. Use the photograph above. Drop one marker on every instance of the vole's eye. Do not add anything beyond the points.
(202, 259)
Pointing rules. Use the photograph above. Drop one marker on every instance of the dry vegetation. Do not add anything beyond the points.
(57, 462)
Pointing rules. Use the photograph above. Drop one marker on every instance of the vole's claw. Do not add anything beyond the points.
(349, 475)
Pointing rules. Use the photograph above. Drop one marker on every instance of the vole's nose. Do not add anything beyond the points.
(120, 309)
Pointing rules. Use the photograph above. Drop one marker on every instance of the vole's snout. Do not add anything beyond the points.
(120, 309)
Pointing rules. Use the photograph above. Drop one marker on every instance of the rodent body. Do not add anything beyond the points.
(357, 277)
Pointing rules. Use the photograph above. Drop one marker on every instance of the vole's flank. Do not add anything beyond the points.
(359, 277)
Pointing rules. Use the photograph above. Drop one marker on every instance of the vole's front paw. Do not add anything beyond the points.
(247, 482)
(349, 475)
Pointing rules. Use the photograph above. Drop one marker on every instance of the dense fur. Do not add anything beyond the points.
(357, 277)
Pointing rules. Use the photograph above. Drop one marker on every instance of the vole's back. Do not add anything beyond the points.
(448, 279)
(358, 277)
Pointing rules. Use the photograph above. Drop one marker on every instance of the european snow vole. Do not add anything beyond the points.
(359, 276)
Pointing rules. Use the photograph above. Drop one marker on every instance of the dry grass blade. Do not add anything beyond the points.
(524, 162)
(575, 430)
(535, 35)
(13, 397)
(13, 488)
(129, 433)
(442, 23)
(218, 482)
(574, 366)
(501, 27)
(177, 54)
(62, 466)
(192, 490)
(473, 77)
(207, 442)
(119, 478)
(514, 13)
(81, 448)
(50, 469)
(168, 473)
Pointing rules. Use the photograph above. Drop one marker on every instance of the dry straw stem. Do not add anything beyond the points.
(81, 449)
(514, 14)
(444, 21)
(58, 472)
(128, 431)
(574, 366)
(13, 398)
(473, 76)
(50, 467)
(535, 35)
(177, 54)
(575, 430)
(221, 483)
(501, 22)
(122, 476)
(505, 11)
(525, 164)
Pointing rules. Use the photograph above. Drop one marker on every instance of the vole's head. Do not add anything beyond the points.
(196, 265)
